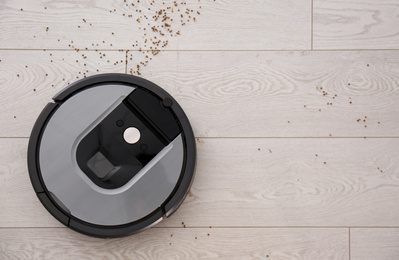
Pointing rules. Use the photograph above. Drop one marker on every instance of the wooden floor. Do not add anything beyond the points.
(294, 105)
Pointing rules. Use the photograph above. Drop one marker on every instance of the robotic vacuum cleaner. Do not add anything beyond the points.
(112, 155)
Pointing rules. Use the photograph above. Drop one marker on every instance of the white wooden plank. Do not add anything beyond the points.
(225, 92)
(221, 25)
(355, 24)
(374, 243)
(29, 80)
(178, 243)
(238, 185)
(264, 94)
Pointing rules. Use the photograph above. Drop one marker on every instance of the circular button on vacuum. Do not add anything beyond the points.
(131, 135)
(121, 163)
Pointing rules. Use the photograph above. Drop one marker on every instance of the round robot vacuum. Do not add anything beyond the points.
(112, 155)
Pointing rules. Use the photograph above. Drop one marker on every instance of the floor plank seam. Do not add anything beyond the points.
(302, 137)
(311, 26)
(349, 241)
(205, 50)
(240, 227)
(261, 137)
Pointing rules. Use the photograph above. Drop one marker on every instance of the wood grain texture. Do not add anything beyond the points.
(178, 243)
(222, 24)
(29, 80)
(355, 24)
(265, 198)
(225, 92)
(374, 243)
(264, 94)
(237, 185)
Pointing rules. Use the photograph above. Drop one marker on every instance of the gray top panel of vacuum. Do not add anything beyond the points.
(62, 151)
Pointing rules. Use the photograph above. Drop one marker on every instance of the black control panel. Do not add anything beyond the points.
(107, 159)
